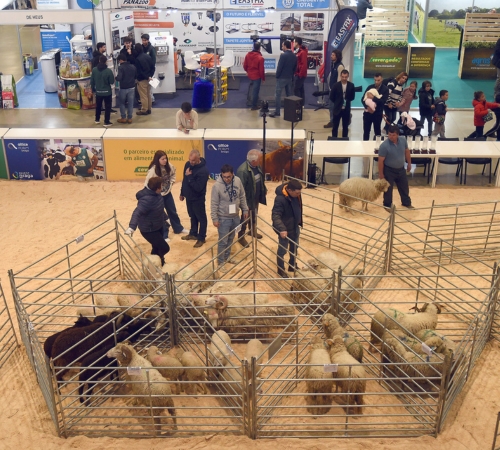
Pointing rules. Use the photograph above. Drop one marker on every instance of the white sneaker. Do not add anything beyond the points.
(167, 240)
(184, 231)
(80, 178)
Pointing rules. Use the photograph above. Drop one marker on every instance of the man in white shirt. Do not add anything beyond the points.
(186, 118)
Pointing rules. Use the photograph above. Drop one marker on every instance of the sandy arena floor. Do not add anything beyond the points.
(38, 217)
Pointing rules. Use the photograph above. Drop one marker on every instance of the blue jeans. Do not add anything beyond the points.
(168, 201)
(255, 88)
(280, 84)
(284, 245)
(127, 95)
(226, 237)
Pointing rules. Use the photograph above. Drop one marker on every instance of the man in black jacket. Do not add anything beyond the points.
(194, 190)
(149, 216)
(287, 65)
(98, 52)
(128, 50)
(287, 217)
(151, 52)
(145, 71)
(127, 74)
(341, 95)
(375, 117)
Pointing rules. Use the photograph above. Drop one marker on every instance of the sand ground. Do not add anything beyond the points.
(41, 216)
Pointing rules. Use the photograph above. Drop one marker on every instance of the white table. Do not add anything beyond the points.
(163, 133)
(256, 134)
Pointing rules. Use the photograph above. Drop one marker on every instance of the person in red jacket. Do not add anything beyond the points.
(301, 72)
(254, 67)
(481, 107)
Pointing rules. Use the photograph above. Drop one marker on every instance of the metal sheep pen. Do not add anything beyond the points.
(8, 337)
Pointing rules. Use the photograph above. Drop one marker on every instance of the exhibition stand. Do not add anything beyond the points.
(4, 172)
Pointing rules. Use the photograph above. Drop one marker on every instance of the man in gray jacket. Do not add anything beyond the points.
(287, 65)
(228, 197)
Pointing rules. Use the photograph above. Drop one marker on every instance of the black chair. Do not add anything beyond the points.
(479, 161)
(332, 160)
(459, 162)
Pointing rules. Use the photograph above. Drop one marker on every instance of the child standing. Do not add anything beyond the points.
(440, 113)
(426, 104)
(409, 94)
(481, 109)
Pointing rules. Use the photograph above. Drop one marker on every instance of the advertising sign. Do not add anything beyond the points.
(129, 159)
(3, 164)
(53, 159)
(476, 64)
(57, 37)
(51, 4)
(233, 152)
(122, 26)
(386, 60)
(421, 60)
(303, 4)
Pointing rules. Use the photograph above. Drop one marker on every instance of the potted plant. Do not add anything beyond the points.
(386, 57)
(475, 61)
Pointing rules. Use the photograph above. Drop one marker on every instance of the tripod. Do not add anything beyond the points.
(264, 110)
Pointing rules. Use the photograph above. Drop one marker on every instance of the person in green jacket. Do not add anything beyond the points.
(83, 160)
(253, 180)
(101, 80)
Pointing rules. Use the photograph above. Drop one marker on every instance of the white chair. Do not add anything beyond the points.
(190, 63)
(358, 44)
(227, 61)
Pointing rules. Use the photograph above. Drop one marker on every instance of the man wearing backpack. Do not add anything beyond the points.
(374, 117)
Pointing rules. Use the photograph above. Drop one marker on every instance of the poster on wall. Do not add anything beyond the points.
(129, 159)
(303, 4)
(3, 163)
(51, 4)
(421, 60)
(54, 159)
(176, 4)
(122, 26)
(233, 152)
(56, 36)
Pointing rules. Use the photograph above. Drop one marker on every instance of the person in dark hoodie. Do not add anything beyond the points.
(150, 217)
(128, 50)
(126, 76)
(284, 75)
(301, 71)
(194, 190)
(149, 50)
(253, 65)
(426, 104)
(145, 71)
(101, 80)
(97, 53)
(287, 217)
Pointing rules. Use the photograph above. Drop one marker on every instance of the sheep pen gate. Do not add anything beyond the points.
(8, 337)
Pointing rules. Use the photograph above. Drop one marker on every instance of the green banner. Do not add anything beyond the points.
(389, 61)
(3, 164)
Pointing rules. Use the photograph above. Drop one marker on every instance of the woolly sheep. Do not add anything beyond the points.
(169, 367)
(351, 376)
(151, 388)
(318, 381)
(332, 327)
(82, 321)
(433, 342)
(391, 319)
(107, 302)
(192, 372)
(219, 352)
(254, 349)
(363, 189)
(447, 343)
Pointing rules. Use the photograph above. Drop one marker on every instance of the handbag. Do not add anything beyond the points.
(488, 116)
(438, 119)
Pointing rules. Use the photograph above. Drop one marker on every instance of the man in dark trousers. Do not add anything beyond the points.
(254, 67)
(287, 217)
(101, 80)
(126, 77)
(341, 95)
(151, 52)
(392, 154)
(149, 216)
(145, 71)
(194, 190)
(251, 175)
(287, 65)
(301, 71)
(375, 117)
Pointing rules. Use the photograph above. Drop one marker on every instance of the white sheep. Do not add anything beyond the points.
(433, 342)
(447, 343)
(319, 382)
(108, 303)
(192, 372)
(254, 349)
(350, 376)
(362, 189)
(332, 327)
(392, 319)
(219, 348)
(151, 389)
(170, 368)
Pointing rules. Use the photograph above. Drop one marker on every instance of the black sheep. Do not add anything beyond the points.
(49, 342)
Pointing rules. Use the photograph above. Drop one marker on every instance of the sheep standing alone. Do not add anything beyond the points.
(169, 367)
(219, 348)
(363, 189)
(318, 381)
(254, 349)
(332, 327)
(392, 319)
(351, 376)
(192, 372)
(147, 383)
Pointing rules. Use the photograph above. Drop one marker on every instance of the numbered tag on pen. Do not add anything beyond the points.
(331, 368)
(133, 370)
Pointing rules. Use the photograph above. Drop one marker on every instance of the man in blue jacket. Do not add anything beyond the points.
(194, 190)
(287, 65)
(287, 217)
(149, 216)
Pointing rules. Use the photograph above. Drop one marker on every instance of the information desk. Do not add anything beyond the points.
(4, 173)
(231, 147)
(49, 153)
(128, 153)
